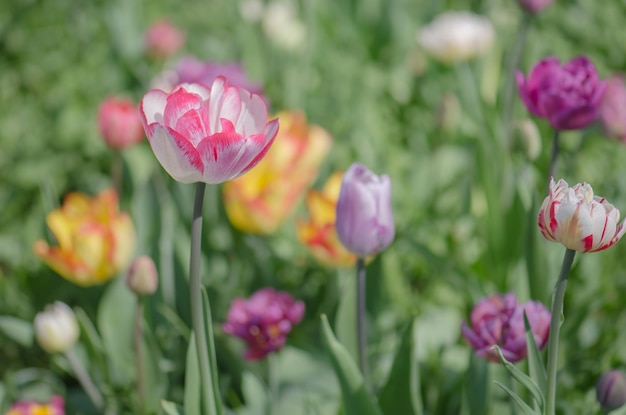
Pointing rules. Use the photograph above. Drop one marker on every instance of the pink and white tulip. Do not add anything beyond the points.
(579, 220)
(202, 134)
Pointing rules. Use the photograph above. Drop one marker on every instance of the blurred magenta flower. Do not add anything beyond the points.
(534, 6)
(162, 39)
(579, 220)
(499, 320)
(364, 218)
(56, 406)
(142, 277)
(192, 70)
(56, 328)
(119, 123)
(568, 96)
(202, 134)
(263, 321)
(611, 390)
(613, 108)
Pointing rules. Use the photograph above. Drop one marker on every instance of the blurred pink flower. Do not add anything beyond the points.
(162, 39)
(202, 134)
(534, 6)
(613, 108)
(119, 123)
(56, 406)
(263, 321)
(568, 96)
(499, 320)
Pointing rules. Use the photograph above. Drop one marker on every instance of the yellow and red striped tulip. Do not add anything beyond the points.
(259, 201)
(319, 233)
(95, 240)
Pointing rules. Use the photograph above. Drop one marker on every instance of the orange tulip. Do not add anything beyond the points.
(95, 240)
(319, 233)
(260, 200)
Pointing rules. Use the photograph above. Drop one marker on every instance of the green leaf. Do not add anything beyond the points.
(523, 379)
(208, 319)
(356, 399)
(192, 397)
(527, 409)
(20, 331)
(345, 321)
(401, 394)
(154, 378)
(171, 408)
(535, 364)
(476, 386)
(92, 341)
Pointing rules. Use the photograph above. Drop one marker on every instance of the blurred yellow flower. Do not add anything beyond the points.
(319, 233)
(260, 200)
(95, 240)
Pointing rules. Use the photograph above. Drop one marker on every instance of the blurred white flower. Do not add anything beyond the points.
(56, 328)
(282, 26)
(456, 36)
(251, 10)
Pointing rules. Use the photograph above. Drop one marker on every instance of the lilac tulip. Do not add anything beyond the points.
(534, 6)
(364, 218)
(568, 96)
(192, 70)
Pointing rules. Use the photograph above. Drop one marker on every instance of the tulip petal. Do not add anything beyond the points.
(152, 107)
(177, 155)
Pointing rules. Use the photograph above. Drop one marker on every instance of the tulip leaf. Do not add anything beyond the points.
(401, 394)
(356, 399)
(192, 380)
(217, 400)
(535, 364)
(523, 379)
(92, 341)
(155, 380)
(171, 408)
(476, 386)
(345, 320)
(20, 331)
(527, 409)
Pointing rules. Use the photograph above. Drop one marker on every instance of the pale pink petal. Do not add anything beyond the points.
(177, 156)
(179, 103)
(194, 125)
(198, 89)
(253, 117)
(151, 107)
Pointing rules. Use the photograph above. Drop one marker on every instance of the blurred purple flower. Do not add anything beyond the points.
(611, 390)
(364, 218)
(613, 108)
(568, 96)
(263, 321)
(534, 6)
(499, 320)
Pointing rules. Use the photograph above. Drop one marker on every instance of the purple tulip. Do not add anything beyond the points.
(263, 321)
(613, 108)
(499, 320)
(568, 96)
(192, 70)
(364, 219)
(534, 6)
(611, 390)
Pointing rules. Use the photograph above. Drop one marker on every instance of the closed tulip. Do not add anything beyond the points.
(613, 108)
(95, 240)
(611, 390)
(568, 96)
(142, 277)
(56, 328)
(364, 218)
(162, 39)
(210, 135)
(262, 199)
(119, 123)
(579, 220)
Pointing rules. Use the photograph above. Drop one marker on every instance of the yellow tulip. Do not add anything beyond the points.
(95, 240)
(260, 200)
(319, 233)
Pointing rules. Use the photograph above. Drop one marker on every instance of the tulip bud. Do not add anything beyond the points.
(142, 277)
(56, 328)
(119, 123)
(163, 39)
(364, 218)
(611, 390)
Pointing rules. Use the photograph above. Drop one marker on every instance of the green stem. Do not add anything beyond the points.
(555, 326)
(85, 381)
(360, 317)
(272, 382)
(117, 170)
(138, 355)
(195, 296)
(555, 153)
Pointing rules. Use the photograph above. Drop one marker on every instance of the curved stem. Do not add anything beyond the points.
(195, 297)
(85, 381)
(555, 153)
(360, 317)
(138, 355)
(555, 326)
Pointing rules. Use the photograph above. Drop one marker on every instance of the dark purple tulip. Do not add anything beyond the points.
(568, 96)
(499, 320)
(263, 321)
(611, 390)
(364, 220)
(534, 6)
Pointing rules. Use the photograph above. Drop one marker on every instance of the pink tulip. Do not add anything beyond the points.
(613, 109)
(579, 220)
(119, 123)
(163, 39)
(202, 134)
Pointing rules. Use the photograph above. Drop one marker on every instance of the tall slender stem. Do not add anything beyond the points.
(360, 317)
(138, 353)
(555, 326)
(555, 153)
(195, 296)
(84, 379)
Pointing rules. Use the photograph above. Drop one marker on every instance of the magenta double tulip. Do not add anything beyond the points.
(364, 218)
(499, 320)
(579, 220)
(202, 134)
(568, 96)
(263, 321)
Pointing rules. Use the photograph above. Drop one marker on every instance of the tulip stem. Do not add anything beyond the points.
(195, 296)
(117, 170)
(138, 354)
(555, 326)
(360, 317)
(84, 379)
(555, 153)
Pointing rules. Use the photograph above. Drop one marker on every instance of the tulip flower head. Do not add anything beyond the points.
(95, 240)
(579, 220)
(56, 406)
(163, 39)
(611, 390)
(142, 277)
(499, 320)
(568, 96)
(119, 123)
(613, 108)
(364, 218)
(534, 6)
(263, 321)
(56, 328)
(262, 199)
(202, 134)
